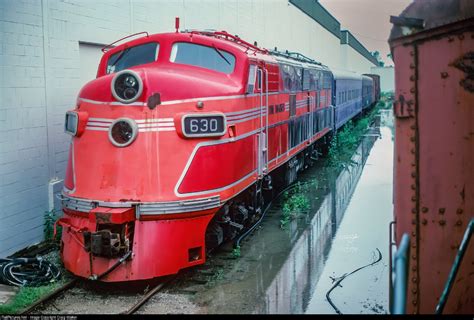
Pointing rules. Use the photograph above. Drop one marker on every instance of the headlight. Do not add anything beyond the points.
(75, 122)
(127, 86)
(123, 132)
(72, 123)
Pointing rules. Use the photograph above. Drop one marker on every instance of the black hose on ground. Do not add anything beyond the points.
(28, 272)
(339, 280)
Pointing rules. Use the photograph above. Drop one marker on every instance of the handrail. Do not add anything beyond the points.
(230, 37)
(104, 49)
(455, 267)
(401, 276)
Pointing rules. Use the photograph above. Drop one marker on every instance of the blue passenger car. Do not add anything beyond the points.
(347, 97)
(367, 92)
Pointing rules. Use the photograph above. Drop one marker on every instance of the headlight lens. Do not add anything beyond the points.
(123, 132)
(126, 86)
(71, 123)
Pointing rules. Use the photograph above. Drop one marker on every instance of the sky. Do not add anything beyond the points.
(367, 20)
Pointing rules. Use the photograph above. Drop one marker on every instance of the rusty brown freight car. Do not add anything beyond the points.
(376, 87)
(432, 44)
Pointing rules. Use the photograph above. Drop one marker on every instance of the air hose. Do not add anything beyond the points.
(28, 272)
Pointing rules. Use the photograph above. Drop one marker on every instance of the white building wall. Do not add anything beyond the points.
(354, 61)
(387, 78)
(43, 66)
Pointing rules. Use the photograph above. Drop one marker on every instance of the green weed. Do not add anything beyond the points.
(27, 296)
(50, 218)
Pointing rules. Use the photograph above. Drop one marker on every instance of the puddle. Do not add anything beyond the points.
(290, 270)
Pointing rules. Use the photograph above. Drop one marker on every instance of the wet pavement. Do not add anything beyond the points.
(290, 269)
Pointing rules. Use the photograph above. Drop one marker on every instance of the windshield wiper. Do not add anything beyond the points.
(119, 57)
(220, 53)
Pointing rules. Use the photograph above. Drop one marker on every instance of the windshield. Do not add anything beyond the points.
(203, 56)
(133, 56)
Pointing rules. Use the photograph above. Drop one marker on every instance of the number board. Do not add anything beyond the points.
(208, 125)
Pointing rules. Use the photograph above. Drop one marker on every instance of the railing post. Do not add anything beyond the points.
(401, 276)
(455, 267)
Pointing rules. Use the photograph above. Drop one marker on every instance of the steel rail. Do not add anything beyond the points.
(149, 295)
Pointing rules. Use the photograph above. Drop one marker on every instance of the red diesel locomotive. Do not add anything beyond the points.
(174, 147)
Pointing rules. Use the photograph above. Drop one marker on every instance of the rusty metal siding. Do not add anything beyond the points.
(434, 161)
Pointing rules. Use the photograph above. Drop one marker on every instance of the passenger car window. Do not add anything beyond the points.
(202, 56)
(133, 56)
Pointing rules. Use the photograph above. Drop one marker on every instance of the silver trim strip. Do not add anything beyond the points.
(144, 208)
(98, 128)
(155, 120)
(244, 120)
(162, 124)
(101, 120)
(157, 129)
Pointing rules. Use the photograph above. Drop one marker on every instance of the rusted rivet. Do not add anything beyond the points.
(412, 66)
(413, 279)
(413, 233)
(424, 209)
(412, 78)
(413, 164)
(442, 222)
(461, 37)
(413, 245)
(413, 198)
(442, 210)
(413, 187)
(424, 222)
(413, 221)
(414, 302)
(413, 127)
(412, 151)
(413, 53)
(444, 75)
(459, 223)
(459, 211)
(413, 257)
(413, 174)
(412, 139)
(413, 268)
(412, 90)
(413, 210)
(451, 39)
(413, 290)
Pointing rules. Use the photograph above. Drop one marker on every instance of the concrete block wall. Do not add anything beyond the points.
(40, 76)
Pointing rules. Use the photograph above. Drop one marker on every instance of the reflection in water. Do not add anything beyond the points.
(279, 270)
(294, 284)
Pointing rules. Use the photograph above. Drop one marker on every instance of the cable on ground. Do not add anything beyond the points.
(339, 280)
(28, 272)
